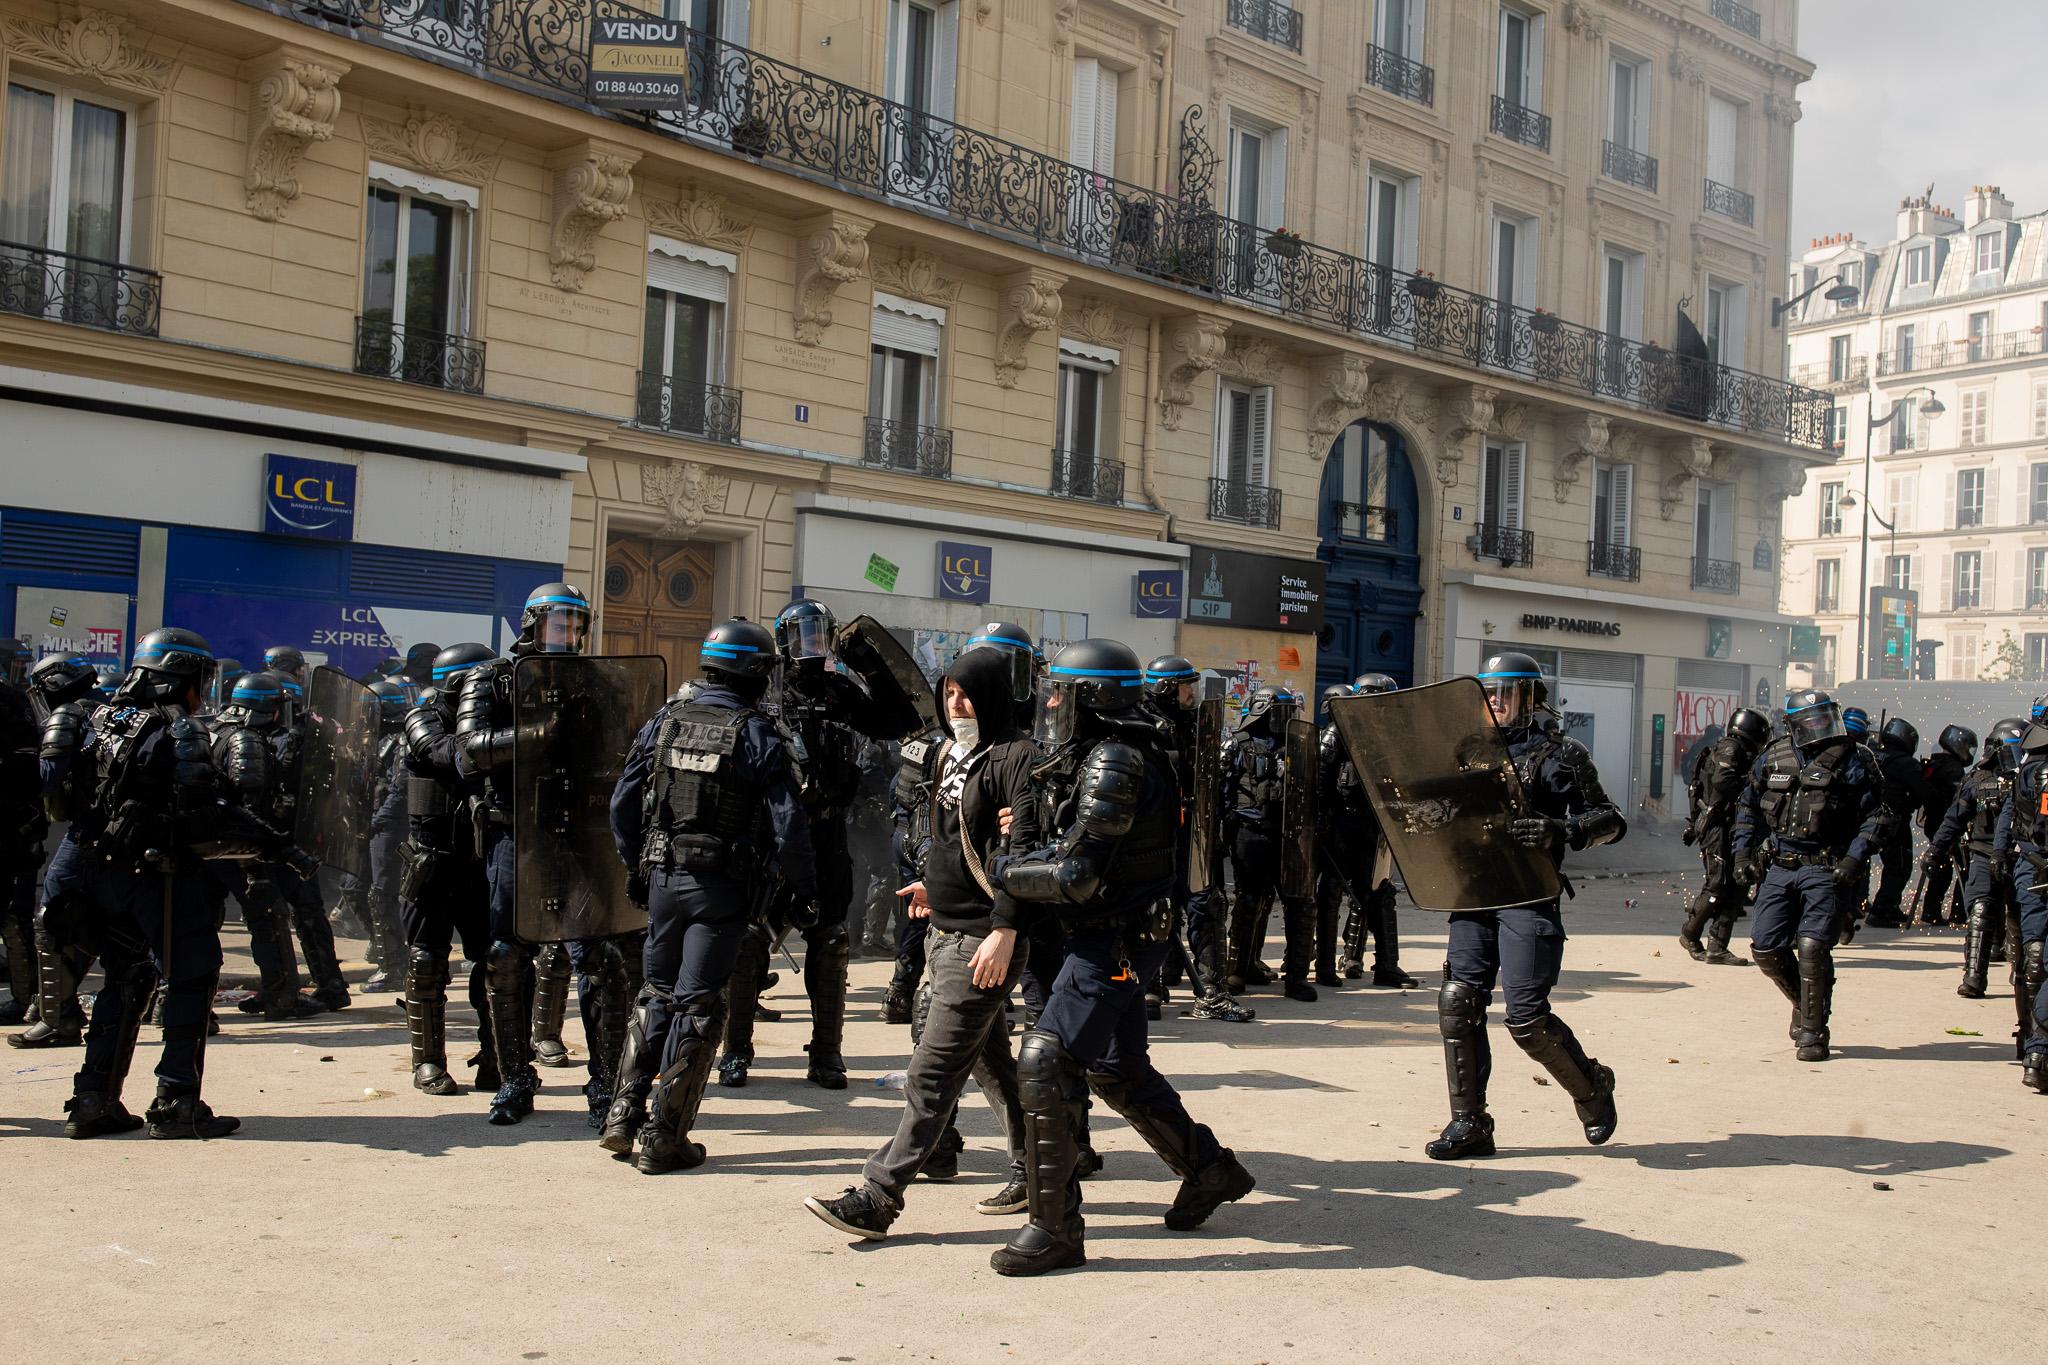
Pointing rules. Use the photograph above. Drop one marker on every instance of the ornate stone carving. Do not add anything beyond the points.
(1578, 442)
(1091, 319)
(1472, 411)
(835, 251)
(293, 103)
(1251, 361)
(1691, 458)
(686, 491)
(1782, 109)
(89, 42)
(1582, 19)
(1686, 67)
(700, 217)
(434, 143)
(1193, 347)
(1029, 303)
(1063, 24)
(593, 185)
(1340, 385)
(915, 275)
(1783, 478)
(984, 10)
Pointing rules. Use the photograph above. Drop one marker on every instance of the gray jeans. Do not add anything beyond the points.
(965, 1034)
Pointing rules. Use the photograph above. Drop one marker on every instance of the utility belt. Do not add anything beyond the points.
(1136, 929)
(1983, 848)
(1795, 861)
(695, 855)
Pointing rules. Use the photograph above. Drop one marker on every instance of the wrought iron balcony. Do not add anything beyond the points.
(1826, 603)
(1739, 17)
(1831, 525)
(1717, 575)
(39, 283)
(1087, 477)
(1980, 350)
(1274, 21)
(1518, 124)
(909, 447)
(439, 360)
(1398, 75)
(1363, 521)
(1854, 375)
(1629, 166)
(711, 411)
(1250, 504)
(1727, 201)
(2037, 599)
(1614, 561)
(1510, 545)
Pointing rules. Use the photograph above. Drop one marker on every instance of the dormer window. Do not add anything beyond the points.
(1919, 266)
(1991, 252)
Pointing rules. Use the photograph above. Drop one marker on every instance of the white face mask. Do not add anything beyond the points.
(966, 732)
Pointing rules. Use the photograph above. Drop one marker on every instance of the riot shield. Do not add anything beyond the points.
(901, 705)
(1436, 769)
(1298, 811)
(337, 772)
(576, 717)
(1205, 840)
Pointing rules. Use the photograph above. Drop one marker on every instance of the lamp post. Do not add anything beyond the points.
(1842, 292)
(1931, 408)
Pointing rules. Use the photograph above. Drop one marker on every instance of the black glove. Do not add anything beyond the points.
(1690, 837)
(636, 887)
(1538, 831)
(1748, 871)
(301, 862)
(803, 908)
(1849, 871)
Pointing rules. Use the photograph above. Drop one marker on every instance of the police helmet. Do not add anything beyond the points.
(1959, 742)
(556, 620)
(1811, 717)
(2004, 743)
(1286, 706)
(262, 696)
(739, 651)
(1012, 640)
(1750, 724)
(1373, 684)
(15, 658)
(1088, 677)
(61, 678)
(1855, 721)
(451, 663)
(1334, 691)
(1171, 682)
(1257, 707)
(167, 663)
(803, 630)
(394, 698)
(1512, 676)
(108, 681)
(1899, 736)
(419, 663)
(286, 661)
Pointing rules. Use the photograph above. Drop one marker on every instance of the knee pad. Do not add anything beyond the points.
(1533, 1035)
(1113, 1088)
(426, 963)
(507, 961)
(2035, 964)
(826, 934)
(1815, 950)
(1042, 1071)
(1460, 1009)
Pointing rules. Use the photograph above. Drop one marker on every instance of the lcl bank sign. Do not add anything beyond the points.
(1157, 593)
(304, 497)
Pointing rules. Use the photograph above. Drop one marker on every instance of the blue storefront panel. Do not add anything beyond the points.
(67, 583)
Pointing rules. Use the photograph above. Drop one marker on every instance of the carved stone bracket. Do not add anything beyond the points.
(293, 101)
(1251, 361)
(835, 252)
(686, 491)
(700, 217)
(1582, 19)
(1783, 478)
(1782, 109)
(1473, 414)
(1340, 384)
(1692, 458)
(1686, 67)
(916, 275)
(1585, 439)
(1194, 346)
(593, 185)
(1395, 400)
(1063, 15)
(434, 143)
(89, 42)
(1027, 303)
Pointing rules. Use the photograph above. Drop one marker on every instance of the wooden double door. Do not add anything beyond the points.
(657, 600)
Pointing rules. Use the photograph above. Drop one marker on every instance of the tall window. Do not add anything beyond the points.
(1500, 484)
(923, 48)
(1990, 248)
(903, 371)
(1969, 498)
(2037, 657)
(1258, 174)
(1969, 581)
(715, 73)
(1613, 503)
(1713, 529)
(1827, 586)
(1838, 358)
(1725, 331)
(1980, 336)
(2040, 406)
(1094, 116)
(1901, 493)
(1724, 139)
(682, 352)
(1902, 348)
(2037, 578)
(2037, 493)
(1397, 27)
(1919, 266)
(1898, 572)
(68, 172)
(1824, 671)
(416, 266)
(1514, 284)
(1628, 122)
(1621, 307)
(1364, 463)
(1838, 427)
(1086, 422)
(1244, 436)
(1519, 57)
(1976, 418)
(1964, 647)
(1831, 509)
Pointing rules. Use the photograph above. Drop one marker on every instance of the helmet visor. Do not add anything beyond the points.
(1058, 712)
(1511, 695)
(561, 629)
(806, 637)
(1809, 725)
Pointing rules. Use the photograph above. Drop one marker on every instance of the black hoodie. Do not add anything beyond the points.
(995, 775)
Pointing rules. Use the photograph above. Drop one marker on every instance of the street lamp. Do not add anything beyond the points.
(1843, 292)
(1931, 408)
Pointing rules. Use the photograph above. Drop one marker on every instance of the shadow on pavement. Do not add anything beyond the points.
(1864, 1155)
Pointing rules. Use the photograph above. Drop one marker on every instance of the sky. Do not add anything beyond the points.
(1911, 91)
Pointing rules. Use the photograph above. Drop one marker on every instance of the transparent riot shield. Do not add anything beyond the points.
(576, 717)
(901, 704)
(1205, 840)
(1298, 811)
(1437, 772)
(337, 772)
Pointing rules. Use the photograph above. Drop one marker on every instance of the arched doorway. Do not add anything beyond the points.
(1369, 520)
(657, 600)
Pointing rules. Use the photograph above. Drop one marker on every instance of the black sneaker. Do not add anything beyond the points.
(1221, 1182)
(1011, 1198)
(188, 1116)
(1302, 991)
(1221, 1008)
(40, 1034)
(827, 1070)
(1394, 977)
(732, 1069)
(943, 1163)
(93, 1115)
(856, 1213)
(513, 1102)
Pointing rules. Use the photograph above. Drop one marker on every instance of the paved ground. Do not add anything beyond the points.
(1877, 1207)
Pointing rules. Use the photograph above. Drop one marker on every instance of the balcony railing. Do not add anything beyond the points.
(1963, 351)
(1272, 20)
(1729, 202)
(1853, 376)
(2037, 599)
(1398, 75)
(1250, 504)
(39, 283)
(1717, 575)
(1362, 521)
(1090, 478)
(1629, 166)
(853, 140)
(1967, 599)
(1739, 17)
(416, 355)
(1518, 124)
(1511, 546)
(1831, 526)
(1614, 561)
(909, 447)
(711, 411)
(1826, 603)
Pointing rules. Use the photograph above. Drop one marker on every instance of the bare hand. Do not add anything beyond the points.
(1004, 817)
(919, 907)
(991, 961)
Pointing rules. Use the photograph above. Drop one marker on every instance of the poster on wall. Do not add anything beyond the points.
(1701, 719)
(353, 637)
(60, 621)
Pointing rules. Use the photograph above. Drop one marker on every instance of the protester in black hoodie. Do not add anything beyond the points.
(984, 773)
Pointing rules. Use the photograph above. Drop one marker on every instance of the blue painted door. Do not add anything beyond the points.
(1368, 520)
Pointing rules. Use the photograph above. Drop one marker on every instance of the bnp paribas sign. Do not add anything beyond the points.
(639, 63)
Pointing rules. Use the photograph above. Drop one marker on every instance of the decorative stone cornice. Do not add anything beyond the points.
(1092, 319)
(89, 42)
(1252, 360)
(1687, 68)
(1339, 386)
(700, 217)
(593, 187)
(915, 275)
(835, 252)
(1582, 19)
(1587, 438)
(1193, 346)
(1691, 458)
(435, 143)
(1027, 303)
(1782, 109)
(294, 99)
(686, 491)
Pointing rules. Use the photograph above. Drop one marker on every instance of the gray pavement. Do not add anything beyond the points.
(1876, 1207)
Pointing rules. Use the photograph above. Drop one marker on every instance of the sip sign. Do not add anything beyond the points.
(315, 498)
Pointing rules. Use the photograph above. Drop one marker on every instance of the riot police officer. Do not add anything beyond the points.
(23, 828)
(1523, 945)
(58, 687)
(1355, 860)
(707, 801)
(387, 831)
(1906, 794)
(1716, 787)
(1108, 874)
(1943, 772)
(1255, 777)
(442, 891)
(2022, 840)
(288, 663)
(1969, 832)
(1817, 798)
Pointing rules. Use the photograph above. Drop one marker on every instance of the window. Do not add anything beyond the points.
(1902, 349)
(69, 167)
(1898, 572)
(1919, 266)
(416, 258)
(1991, 252)
(1975, 427)
(1628, 121)
(923, 45)
(1500, 485)
(1513, 283)
(903, 375)
(1838, 426)
(1831, 509)
(2037, 493)
(1965, 647)
(1980, 336)
(2037, 657)
(1391, 198)
(1364, 464)
(1901, 491)
(1258, 174)
(1621, 294)
(2040, 407)
(1094, 116)
(1725, 330)
(1724, 139)
(2037, 578)
(1244, 436)
(1397, 28)
(1613, 498)
(1713, 528)
(1824, 671)
(1908, 426)
(1519, 58)
(1969, 583)
(713, 69)
(1827, 586)
(1969, 498)
(1838, 358)
(1086, 421)
(682, 353)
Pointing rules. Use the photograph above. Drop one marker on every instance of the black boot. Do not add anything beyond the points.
(61, 1022)
(1816, 997)
(1210, 1176)
(607, 982)
(896, 1004)
(1551, 1043)
(2034, 1072)
(1780, 967)
(1718, 932)
(323, 963)
(825, 984)
(1055, 1098)
(508, 982)
(1352, 962)
(1386, 941)
(1695, 922)
(2032, 968)
(92, 1113)
(1468, 1061)
(623, 1121)
(678, 1093)
(550, 1002)
(742, 994)
(1976, 950)
(19, 940)
(1326, 941)
(426, 1022)
(1298, 931)
(184, 1115)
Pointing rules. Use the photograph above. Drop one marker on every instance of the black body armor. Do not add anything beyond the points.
(825, 747)
(911, 797)
(1812, 800)
(701, 815)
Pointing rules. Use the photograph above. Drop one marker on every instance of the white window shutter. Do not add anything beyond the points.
(1087, 79)
(945, 60)
(1948, 502)
(1991, 517)
(1946, 600)
(1622, 498)
(1511, 486)
(1916, 572)
(1256, 462)
(1105, 122)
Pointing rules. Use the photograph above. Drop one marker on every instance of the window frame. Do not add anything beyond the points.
(60, 160)
(1973, 428)
(1620, 508)
(1638, 138)
(1414, 36)
(1530, 75)
(1922, 258)
(466, 201)
(1827, 587)
(1975, 559)
(1511, 458)
(1258, 456)
(1995, 239)
(1831, 508)
(1064, 409)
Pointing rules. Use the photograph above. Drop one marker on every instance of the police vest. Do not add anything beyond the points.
(132, 811)
(704, 816)
(1259, 776)
(913, 791)
(1810, 799)
(2030, 802)
(1987, 788)
(1149, 851)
